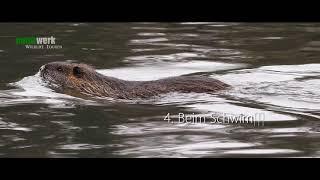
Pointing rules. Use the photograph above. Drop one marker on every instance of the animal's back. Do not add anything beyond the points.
(185, 84)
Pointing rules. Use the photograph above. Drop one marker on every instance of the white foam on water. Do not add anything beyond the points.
(147, 128)
(272, 38)
(79, 146)
(219, 25)
(193, 149)
(271, 74)
(190, 148)
(293, 88)
(151, 34)
(262, 151)
(241, 77)
(33, 86)
(32, 90)
(150, 40)
(301, 69)
(195, 23)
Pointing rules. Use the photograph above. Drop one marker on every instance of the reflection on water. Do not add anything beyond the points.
(273, 68)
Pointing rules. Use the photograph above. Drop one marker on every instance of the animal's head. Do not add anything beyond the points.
(79, 78)
(67, 74)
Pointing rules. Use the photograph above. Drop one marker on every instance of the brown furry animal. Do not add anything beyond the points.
(82, 78)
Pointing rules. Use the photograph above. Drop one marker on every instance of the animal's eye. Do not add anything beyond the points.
(59, 68)
(77, 71)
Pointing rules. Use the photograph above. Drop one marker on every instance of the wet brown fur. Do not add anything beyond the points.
(84, 79)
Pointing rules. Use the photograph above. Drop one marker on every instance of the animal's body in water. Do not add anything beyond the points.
(83, 79)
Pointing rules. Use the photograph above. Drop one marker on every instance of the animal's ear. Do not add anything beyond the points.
(77, 71)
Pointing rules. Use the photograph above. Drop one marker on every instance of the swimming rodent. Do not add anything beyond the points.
(83, 79)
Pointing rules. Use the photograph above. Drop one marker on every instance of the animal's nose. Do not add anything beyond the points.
(42, 67)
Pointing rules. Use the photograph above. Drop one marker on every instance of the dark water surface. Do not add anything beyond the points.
(273, 67)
